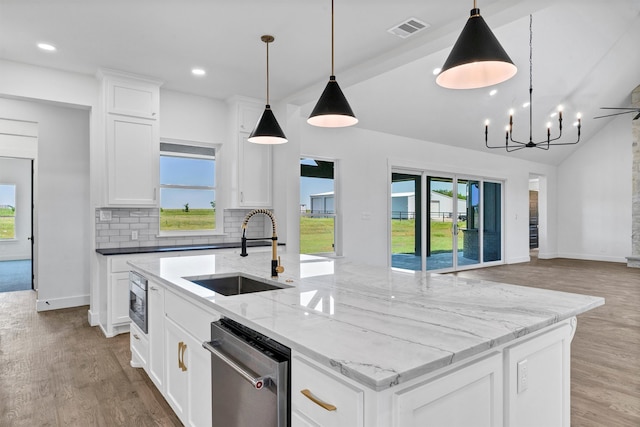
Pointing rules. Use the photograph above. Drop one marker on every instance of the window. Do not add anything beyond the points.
(317, 206)
(187, 189)
(7, 211)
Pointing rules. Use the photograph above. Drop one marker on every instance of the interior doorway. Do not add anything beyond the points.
(16, 224)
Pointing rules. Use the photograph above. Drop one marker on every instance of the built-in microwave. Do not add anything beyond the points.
(138, 300)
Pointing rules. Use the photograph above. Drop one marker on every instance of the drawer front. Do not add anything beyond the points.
(139, 347)
(325, 387)
(189, 316)
(119, 264)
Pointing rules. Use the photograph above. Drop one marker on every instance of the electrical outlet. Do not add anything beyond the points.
(134, 234)
(523, 376)
(105, 215)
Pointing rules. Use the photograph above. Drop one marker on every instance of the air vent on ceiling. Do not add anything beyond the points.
(408, 28)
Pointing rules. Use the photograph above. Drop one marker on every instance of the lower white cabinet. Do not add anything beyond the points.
(139, 348)
(468, 396)
(155, 327)
(187, 363)
(319, 398)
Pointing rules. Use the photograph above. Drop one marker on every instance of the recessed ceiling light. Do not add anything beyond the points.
(436, 71)
(46, 46)
(526, 104)
(198, 72)
(493, 92)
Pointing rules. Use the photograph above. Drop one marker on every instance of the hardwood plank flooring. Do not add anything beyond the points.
(605, 352)
(56, 370)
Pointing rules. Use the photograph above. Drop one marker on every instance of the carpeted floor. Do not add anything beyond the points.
(15, 275)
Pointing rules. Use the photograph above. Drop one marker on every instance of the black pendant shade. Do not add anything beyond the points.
(477, 59)
(267, 130)
(332, 109)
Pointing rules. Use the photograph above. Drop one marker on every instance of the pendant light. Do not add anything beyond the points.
(477, 59)
(332, 109)
(267, 130)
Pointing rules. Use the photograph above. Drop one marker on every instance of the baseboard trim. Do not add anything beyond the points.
(58, 303)
(94, 318)
(518, 260)
(589, 257)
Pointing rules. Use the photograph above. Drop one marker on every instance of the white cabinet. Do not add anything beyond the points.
(320, 398)
(254, 173)
(469, 396)
(537, 379)
(130, 106)
(131, 97)
(133, 150)
(187, 364)
(155, 327)
(114, 296)
(250, 164)
(139, 348)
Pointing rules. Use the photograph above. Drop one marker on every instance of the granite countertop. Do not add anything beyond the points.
(173, 248)
(375, 325)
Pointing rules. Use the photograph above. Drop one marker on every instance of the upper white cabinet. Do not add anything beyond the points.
(251, 163)
(254, 173)
(132, 140)
(132, 98)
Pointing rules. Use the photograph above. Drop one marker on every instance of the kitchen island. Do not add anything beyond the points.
(392, 348)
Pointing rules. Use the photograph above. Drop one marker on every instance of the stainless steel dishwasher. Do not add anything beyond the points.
(250, 377)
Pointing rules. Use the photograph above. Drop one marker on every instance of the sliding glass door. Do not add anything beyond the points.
(461, 227)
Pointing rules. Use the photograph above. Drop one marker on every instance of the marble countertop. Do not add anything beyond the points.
(375, 325)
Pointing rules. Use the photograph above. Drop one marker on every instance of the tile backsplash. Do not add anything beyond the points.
(116, 232)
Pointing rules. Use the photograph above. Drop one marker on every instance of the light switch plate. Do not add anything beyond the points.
(523, 376)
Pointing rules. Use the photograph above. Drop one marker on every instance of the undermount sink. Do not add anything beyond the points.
(233, 285)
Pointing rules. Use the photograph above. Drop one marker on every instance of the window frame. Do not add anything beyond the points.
(217, 230)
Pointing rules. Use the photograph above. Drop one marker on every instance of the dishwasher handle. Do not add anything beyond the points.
(257, 382)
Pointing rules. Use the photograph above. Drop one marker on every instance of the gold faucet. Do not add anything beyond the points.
(275, 259)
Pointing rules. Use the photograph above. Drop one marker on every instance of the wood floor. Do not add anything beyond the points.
(56, 370)
(605, 352)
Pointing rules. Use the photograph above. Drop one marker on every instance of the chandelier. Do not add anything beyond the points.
(511, 144)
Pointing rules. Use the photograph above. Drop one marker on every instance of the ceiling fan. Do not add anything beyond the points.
(628, 110)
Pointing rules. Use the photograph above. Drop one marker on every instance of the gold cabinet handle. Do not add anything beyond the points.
(184, 348)
(311, 397)
(180, 364)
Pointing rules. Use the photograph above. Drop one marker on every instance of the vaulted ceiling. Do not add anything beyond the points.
(585, 56)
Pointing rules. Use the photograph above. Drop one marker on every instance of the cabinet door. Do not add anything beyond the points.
(119, 298)
(198, 362)
(155, 328)
(538, 380)
(132, 98)
(248, 115)
(254, 168)
(176, 380)
(468, 396)
(139, 348)
(133, 149)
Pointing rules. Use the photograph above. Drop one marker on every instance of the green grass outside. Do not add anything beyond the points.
(316, 235)
(7, 223)
(195, 219)
(403, 236)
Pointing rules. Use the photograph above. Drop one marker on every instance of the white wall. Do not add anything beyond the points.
(193, 118)
(364, 161)
(18, 173)
(594, 196)
(63, 230)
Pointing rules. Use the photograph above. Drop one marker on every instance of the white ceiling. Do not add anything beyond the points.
(585, 56)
